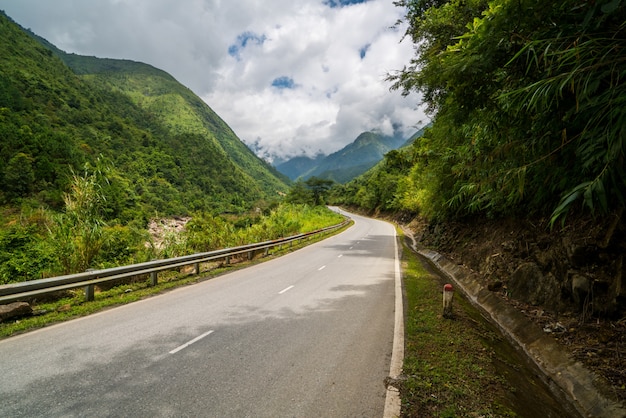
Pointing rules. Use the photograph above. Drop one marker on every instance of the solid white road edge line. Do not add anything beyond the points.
(187, 344)
(392, 400)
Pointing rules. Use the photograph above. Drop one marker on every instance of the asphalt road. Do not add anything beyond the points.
(308, 334)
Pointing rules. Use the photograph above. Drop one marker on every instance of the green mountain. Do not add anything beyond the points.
(163, 148)
(344, 165)
(296, 166)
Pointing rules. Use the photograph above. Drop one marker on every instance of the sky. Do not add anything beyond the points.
(290, 77)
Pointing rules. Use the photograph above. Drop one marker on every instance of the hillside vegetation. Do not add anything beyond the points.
(167, 151)
(528, 99)
(91, 149)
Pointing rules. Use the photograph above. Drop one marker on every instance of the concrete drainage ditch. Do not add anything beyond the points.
(566, 379)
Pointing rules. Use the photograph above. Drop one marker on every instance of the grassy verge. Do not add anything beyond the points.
(449, 365)
(74, 304)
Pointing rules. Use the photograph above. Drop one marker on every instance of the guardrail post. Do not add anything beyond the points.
(89, 292)
(196, 268)
(250, 255)
(267, 251)
(153, 278)
(227, 260)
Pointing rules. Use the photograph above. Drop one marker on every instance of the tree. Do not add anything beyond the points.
(319, 187)
(575, 72)
(300, 194)
(19, 176)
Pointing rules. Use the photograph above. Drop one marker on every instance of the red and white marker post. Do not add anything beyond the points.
(448, 293)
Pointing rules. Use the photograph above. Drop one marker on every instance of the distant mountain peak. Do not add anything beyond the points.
(349, 162)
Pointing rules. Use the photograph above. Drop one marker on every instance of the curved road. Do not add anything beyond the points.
(308, 334)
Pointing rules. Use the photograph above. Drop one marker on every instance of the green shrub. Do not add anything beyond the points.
(24, 252)
(121, 245)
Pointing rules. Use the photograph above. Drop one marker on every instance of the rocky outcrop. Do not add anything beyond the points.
(161, 229)
(529, 284)
(577, 268)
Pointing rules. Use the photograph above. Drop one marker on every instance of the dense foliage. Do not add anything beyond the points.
(314, 191)
(528, 103)
(208, 232)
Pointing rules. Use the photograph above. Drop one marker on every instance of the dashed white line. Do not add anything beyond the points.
(285, 290)
(340, 255)
(321, 268)
(187, 344)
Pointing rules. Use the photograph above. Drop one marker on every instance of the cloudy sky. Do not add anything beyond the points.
(291, 76)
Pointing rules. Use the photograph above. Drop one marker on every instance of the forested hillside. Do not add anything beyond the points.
(296, 166)
(93, 149)
(164, 150)
(528, 101)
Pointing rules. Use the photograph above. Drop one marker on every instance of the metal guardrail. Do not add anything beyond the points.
(30, 289)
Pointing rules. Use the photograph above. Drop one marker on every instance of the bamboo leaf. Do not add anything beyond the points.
(611, 6)
(566, 203)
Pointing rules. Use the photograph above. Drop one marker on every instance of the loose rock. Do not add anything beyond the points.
(15, 310)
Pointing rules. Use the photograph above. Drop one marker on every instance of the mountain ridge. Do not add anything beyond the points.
(115, 73)
(356, 158)
(170, 152)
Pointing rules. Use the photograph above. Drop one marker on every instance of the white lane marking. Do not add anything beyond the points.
(321, 268)
(340, 255)
(285, 290)
(187, 344)
(392, 398)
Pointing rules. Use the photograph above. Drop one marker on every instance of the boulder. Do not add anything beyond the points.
(15, 310)
(530, 285)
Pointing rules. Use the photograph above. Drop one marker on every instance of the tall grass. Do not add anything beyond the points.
(207, 232)
(45, 244)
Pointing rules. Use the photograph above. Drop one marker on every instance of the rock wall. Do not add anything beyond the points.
(579, 267)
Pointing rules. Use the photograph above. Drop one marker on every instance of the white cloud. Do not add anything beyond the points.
(327, 65)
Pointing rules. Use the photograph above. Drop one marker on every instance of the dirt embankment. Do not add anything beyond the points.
(570, 281)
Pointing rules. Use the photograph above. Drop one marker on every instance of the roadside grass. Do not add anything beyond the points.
(73, 304)
(448, 368)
